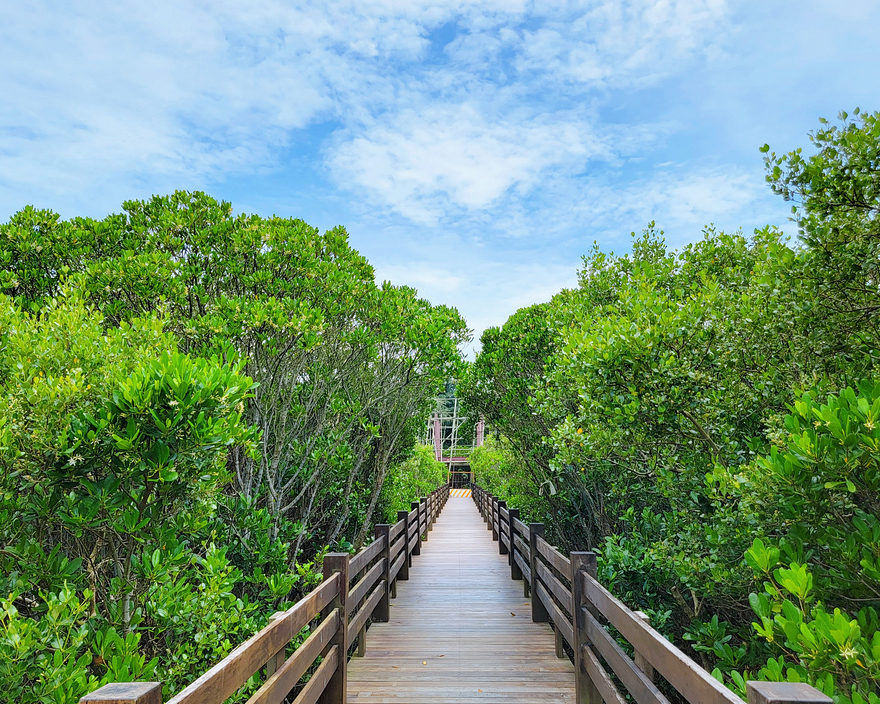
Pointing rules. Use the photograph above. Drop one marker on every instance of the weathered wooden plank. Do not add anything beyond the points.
(357, 621)
(560, 619)
(365, 556)
(784, 693)
(126, 693)
(521, 528)
(383, 610)
(395, 568)
(503, 538)
(463, 617)
(279, 685)
(318, 682)
(524, 567)
(365, 584)
(515, 572)
(397, 529)
(600, 678)
(640, 687)
(521, 547)
(335, 688)
(414, 541)
(692, 681)
(558, 589)
(554, 557)
(222, 680)
(397, 546)
(505, 514)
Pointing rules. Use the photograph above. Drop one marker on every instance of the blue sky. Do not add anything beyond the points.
(474, 150)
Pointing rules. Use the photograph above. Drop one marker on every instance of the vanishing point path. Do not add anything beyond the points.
(460, 630)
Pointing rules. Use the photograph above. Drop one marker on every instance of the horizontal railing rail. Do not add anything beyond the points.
(355, 591)
(565, 591)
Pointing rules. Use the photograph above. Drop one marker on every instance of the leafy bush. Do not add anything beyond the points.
(417, 475)
(113, 456)
(51, 655)
(831, 650)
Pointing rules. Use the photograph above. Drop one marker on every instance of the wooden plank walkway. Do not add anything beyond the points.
(460, 629)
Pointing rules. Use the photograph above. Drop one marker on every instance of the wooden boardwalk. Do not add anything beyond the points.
(460, 630)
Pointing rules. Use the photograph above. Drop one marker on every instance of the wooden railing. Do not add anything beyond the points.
(565, 592)
(356, 589)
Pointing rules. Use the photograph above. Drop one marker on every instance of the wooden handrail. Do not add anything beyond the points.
(355, 590)
(565, 591)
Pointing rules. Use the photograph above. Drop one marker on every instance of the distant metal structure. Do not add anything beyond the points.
(454, 438)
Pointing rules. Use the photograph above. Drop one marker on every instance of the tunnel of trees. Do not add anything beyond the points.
(197, 405)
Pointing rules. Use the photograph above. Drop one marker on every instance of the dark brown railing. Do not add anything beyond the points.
(356, 589)
(564, 591)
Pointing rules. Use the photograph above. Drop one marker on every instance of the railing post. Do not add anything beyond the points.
(581, 563)
(539, 611)
(126, 693)
(404, 568)
(502, 550)
(383, 608)
(559, 642)
(414, 506)
(423, 511)
(784, 693)
(640, 660)
(334, 692)
(490, 517)
(515, 571)
(428, 512)
(277, 660)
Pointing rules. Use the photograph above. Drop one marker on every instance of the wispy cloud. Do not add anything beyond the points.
(126, 91)
(440, 161)
(509, 134)
(618, 43)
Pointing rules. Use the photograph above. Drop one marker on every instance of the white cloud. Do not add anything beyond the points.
(680, 200)
(611, 44)
(107, 96)
(427, 278)
(535, 129)
(423, 163)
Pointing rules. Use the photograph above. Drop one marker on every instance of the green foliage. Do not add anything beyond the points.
(195, 404)
(48, 657)
(818, 490)
(831, 650)
(501, 471)
(835, 194)
(416, 476)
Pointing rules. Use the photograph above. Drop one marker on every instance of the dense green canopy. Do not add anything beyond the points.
(195, 405)
(709, 421)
